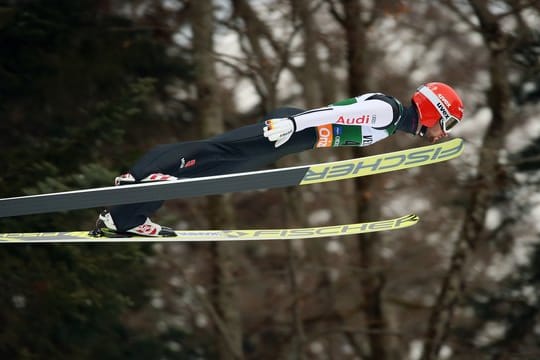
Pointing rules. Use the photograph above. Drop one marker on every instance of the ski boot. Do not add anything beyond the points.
(128, 179)
(105, 227)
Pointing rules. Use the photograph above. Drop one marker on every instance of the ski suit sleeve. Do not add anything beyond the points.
(359, 121)
(367, 110)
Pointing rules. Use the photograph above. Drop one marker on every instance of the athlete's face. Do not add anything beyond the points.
(434, 133)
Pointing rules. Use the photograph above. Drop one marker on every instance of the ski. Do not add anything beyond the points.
(218, 235)
(246, 181)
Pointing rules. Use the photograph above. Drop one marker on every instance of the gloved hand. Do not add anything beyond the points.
(279, 130)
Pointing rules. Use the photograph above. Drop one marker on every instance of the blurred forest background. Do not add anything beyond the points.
(86, 87)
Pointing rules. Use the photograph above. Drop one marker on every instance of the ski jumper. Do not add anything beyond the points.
(358, 121)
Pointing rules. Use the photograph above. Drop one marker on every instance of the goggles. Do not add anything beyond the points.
(447, 120)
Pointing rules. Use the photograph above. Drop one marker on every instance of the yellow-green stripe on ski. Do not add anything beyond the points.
(221, 235)
(381, 163)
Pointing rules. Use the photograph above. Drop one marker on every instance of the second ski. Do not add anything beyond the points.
(218, 235)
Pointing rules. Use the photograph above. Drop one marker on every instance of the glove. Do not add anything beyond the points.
(279, 130)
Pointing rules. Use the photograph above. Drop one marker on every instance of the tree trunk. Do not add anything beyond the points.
(486, 184)
(372, 284)
(219, 207)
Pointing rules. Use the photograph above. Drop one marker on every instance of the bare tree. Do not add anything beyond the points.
(355, 19)
(266, 57)
(226, 314)
(490, 176)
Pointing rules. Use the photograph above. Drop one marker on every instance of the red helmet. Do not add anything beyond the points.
(438, 102)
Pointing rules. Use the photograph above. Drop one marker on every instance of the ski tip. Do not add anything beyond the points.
(413, 218)
(406, 221)
(459, 142)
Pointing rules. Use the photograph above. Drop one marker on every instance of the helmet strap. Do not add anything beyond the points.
(423, 130)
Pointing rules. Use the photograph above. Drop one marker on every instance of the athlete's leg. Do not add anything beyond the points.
(170, 159)
(242, 149)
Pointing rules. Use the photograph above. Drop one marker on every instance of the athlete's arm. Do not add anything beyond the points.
(376, 111)
(359, 111)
